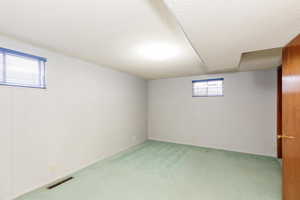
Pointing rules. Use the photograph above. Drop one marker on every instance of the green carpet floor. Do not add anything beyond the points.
(166, 171)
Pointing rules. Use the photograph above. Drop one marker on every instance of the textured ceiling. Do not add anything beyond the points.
(262, 59)
(136, 36)
(155, 38)
(221, 30)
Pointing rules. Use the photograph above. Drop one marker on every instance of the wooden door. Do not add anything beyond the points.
(291, 120)
(279, 112)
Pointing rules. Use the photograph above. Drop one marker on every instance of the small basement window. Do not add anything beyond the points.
(21, 69)
(208, 87)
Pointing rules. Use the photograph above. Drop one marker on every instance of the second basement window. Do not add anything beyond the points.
(208, 87)
(21, 69)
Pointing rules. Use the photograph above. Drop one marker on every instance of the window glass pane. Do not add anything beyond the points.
(21, 70)
(42, 75)
(212, 91)
(212, 83)
(220, 83)
(220, 91)
(200, 92)
(1, 66)
(208, 88)
(202, 84)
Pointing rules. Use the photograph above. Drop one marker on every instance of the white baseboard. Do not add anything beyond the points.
(211, 147)
(45, 184)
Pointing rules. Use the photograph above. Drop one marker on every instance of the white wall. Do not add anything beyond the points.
(86, 113)
(89, 112)
(243, 120)
(5, 143)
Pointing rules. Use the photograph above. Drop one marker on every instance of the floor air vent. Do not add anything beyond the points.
(59, 183)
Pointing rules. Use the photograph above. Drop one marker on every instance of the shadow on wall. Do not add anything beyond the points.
(262, 82)
(262, 59)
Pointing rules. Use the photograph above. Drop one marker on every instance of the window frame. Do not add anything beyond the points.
(208, 80)
(41, 65)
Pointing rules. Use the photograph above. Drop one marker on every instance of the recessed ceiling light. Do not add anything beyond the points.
(158, 51)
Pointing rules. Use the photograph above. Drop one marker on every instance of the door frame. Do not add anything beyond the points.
(279, 111)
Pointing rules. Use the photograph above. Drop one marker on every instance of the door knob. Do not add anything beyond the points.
(285, 137)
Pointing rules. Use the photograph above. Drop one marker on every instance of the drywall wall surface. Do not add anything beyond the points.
(87, 112)
(243, 120)
(5, 143)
